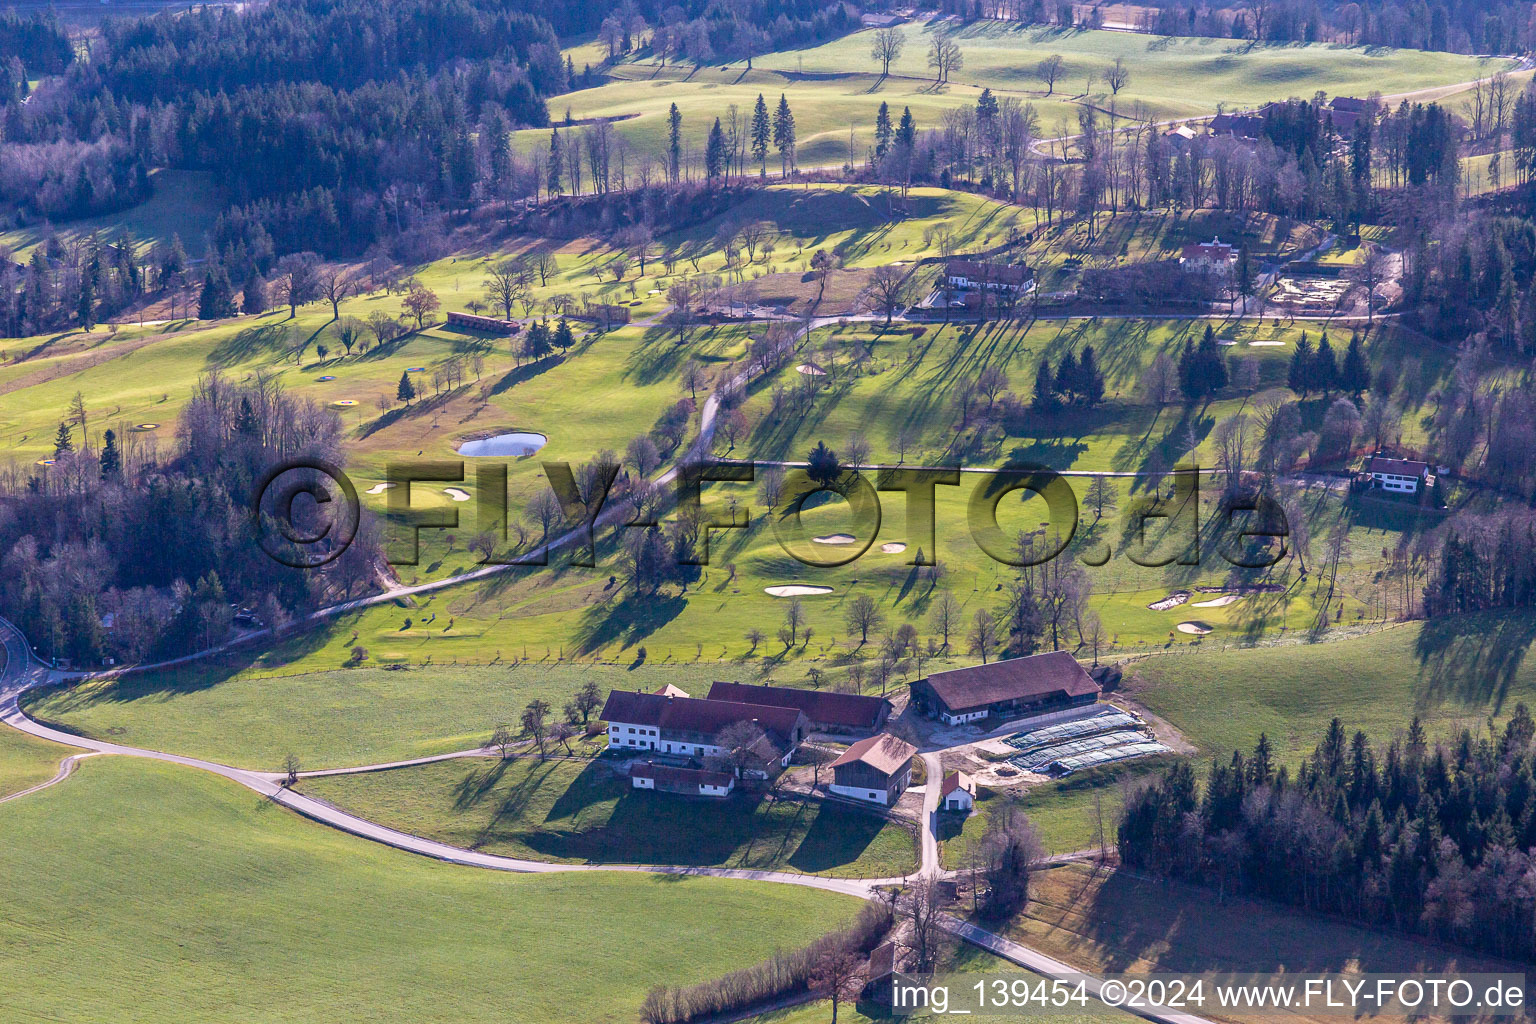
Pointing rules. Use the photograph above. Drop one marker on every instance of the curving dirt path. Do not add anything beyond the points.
(66, 769)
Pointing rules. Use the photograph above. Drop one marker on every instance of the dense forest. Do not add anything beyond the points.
(126, 552)
(1438, 839)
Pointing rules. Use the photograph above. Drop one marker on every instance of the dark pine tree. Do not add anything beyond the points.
(405, 391)
(1355, 376)
(111, 458)
(1299, 376)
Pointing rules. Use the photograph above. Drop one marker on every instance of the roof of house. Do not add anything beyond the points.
(693, 714)
(883, 961)
(883, 752)
(667, 775)
(1245, 126)
(1002, 273)
(846, 709)
(1343, 119)
(1215, 249)
(1398, 467)
(957, 780)
(671, 691)
(1038, 675)
(1351, 103)
(1183, 131)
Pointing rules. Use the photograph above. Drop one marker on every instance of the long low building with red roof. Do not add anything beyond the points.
(848, 713)
(1013, 688)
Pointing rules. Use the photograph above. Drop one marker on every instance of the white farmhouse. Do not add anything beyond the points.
(1397, 476)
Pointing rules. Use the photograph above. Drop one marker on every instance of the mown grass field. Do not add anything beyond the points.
(586, 811)
(26, 761)
(1453, 672)
(254, 715)
(837, 87)
(185, 897)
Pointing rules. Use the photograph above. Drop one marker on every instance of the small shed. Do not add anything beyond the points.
(958, 793)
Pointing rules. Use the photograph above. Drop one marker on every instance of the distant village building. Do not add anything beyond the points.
(1399, 476)
(958, 793)
(1180, 138)
(880, 20)
(1237, 126)
(489, 324)
(691, 727)
(683, 781)
(877, 769)
(845, 713)
(966, 275)
(1014, 688)
(1344, 112)
(1214, 257)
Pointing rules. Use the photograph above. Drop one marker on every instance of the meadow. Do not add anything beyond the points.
(587, 812)
(184, 203)
(25, 762)
(835, 88)
(185, 897)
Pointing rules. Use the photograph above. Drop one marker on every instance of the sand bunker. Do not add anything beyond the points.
(796, 590)
(456, 494)
(1266, 344)
(47, 462)
(142, 427)
(1173, 600)
(811, 370)
(1197, 628)
(378, 488)
(895, 547)
(836, 538)
(344, 403)
(1226, 341)
(1220, 602)
(327, 377)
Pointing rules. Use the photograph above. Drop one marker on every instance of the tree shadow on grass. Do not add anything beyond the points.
(1471, 659)
(526, 372)
(627, 621)
(180, 681)
(248, 343)
(836, 838)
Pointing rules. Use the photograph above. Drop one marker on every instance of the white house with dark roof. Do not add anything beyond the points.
(691, 727)
(1397, 476)
(968, 275)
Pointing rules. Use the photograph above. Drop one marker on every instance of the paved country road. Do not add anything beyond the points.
(23, 673)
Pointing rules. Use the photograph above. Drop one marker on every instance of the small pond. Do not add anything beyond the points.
(516, 444)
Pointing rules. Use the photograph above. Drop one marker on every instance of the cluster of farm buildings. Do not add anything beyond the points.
(742, 734)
